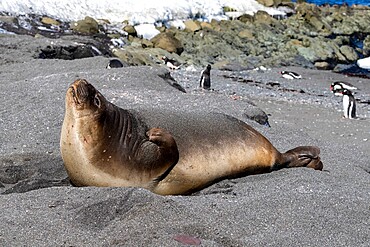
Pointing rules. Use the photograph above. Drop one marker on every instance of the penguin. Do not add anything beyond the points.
(340, 85)
(205, 78)
(171, 63)
(114, 63)
(349, 103)
(290, 75)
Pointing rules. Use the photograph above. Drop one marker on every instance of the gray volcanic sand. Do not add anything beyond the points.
(289, 207)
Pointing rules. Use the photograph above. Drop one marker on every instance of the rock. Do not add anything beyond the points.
(50, 21)
(246, 18)
(318, 24)
(366, 48)
(349, 53)
(206, 25)
(246, 34)
(256, 114)
(86, 26)
(192, 26)
(167, 41)
(147, 44)
(130, 30)
(267, 3)
(321, 50)
(323, 65)
(8, 19)
(262, 17)
(229, 9)
(139, 56)
(68, 52)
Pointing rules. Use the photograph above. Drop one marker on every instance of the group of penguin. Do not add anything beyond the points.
(338, 88)
(205, 75)
(205, 78)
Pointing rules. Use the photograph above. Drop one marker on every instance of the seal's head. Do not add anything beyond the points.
(83, 99)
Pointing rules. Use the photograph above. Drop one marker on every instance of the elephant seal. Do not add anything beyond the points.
(164, 152)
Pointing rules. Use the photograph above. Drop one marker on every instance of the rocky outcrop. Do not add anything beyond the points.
(313, 36)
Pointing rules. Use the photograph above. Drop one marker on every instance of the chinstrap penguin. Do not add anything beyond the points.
(205, 78)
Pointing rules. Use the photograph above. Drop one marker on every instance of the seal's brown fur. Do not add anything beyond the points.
(165, 152)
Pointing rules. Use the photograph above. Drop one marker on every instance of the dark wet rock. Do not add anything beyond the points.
(69, 52)
(254, 113)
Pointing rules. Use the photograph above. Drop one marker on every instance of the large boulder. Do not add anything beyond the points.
(167, 41)
(192, 26)
(349, 53)
(130, 30)
(86, 26)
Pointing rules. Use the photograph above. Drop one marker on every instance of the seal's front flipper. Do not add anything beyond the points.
(166, 145)
(304, 156)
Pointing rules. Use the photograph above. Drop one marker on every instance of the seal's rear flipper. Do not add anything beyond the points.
(304, 156)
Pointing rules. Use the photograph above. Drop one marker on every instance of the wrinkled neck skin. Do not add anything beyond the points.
(120, 126)
(100, 139)
(115, 130)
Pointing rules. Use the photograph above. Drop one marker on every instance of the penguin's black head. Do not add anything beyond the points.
(342, 91)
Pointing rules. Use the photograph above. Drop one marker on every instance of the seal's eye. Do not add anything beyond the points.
(97, 101)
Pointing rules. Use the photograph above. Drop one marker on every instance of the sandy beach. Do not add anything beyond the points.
(289, 207)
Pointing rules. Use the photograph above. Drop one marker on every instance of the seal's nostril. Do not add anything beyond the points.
(74, 93)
